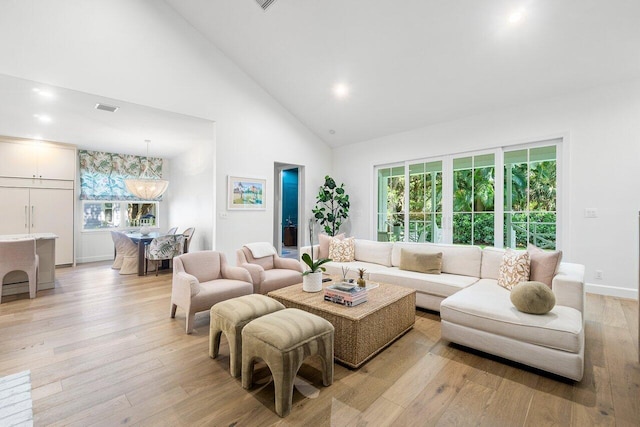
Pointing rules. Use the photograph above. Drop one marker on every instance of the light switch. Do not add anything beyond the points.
(223, 215)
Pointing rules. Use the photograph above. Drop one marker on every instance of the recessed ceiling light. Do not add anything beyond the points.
(341, 90)
(42, 118)
(517, 15)
(44, 93)
(332, 132)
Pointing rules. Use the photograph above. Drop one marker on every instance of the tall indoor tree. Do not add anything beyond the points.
(332, 206)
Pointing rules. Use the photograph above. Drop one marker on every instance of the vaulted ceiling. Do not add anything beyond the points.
(412, 63)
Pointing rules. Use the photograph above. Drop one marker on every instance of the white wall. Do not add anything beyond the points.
(141, 51)
(191, 192)
(602, 127)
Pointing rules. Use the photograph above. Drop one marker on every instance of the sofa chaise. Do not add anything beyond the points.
(475, 311)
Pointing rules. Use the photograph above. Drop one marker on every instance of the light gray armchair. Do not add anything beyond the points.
(202, 279)
(270, 272)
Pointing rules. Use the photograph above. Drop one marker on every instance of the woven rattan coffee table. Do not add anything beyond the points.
(362, 331)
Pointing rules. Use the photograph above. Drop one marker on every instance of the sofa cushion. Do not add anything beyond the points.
(335, 268)
(374, 252)
(544, 264)
(422, 262)
(491, 260)
(323, 243)
(342, 250)
(441, 285)
(487, 307)
(464, 260)
(514, 268)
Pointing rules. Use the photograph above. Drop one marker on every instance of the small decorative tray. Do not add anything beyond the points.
(344, 286)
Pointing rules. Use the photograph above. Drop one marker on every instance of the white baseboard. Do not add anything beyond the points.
(613, 291)
(94, 259)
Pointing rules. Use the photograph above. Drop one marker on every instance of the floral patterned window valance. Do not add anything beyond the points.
(102, 174)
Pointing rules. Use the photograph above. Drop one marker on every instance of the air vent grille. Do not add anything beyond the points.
(264, 4)
(105, 107)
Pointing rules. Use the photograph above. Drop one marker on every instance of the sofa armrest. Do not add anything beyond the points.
(287, 264)
(568, 286)
(307, 250)
(184, 282)
(256, 272)
(236, 273)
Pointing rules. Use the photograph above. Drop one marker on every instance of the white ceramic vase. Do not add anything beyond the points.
(145, 231)
(312, 282)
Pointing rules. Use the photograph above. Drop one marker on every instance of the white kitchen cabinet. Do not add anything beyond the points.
(37, 161)
(40, 210)
(52, 212)
(14, 210)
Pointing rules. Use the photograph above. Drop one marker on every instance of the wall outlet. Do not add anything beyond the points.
(590, 213)
(223, 215)
(599, 274)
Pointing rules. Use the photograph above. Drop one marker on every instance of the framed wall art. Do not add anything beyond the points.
(246, 193)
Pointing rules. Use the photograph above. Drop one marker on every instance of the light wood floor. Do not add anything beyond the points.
(102, 350)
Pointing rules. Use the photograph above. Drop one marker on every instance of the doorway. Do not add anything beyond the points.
(288, 208)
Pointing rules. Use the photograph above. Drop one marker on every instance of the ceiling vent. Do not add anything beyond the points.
(105, 107)
(264, 4)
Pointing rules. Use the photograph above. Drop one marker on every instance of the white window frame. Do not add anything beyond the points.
(123, 215)
(561, 143)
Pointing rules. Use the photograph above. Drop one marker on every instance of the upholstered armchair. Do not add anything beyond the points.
(202, 279)
(269, 272)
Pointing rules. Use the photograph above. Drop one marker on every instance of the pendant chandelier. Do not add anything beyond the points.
(147, 187)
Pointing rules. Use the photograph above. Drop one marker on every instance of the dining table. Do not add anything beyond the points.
(142, 240)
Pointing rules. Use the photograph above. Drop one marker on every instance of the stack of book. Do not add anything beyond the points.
(342, 295)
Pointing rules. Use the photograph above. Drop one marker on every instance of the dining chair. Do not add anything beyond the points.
(172, 230)
(188, 234)
(163, 248)
(126, 259)
(19, 255)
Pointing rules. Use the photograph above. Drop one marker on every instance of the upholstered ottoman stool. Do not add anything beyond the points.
(230, 317)
(283, 340)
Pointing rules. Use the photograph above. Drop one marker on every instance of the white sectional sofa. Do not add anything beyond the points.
(476, 311)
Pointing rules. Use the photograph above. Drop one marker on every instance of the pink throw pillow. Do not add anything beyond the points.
(324, 241)
(544, 264)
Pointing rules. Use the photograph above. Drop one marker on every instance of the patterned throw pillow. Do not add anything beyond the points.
(342, 250)
(514, 268)
(323, 244)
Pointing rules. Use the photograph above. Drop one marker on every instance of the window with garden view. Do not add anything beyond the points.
(530, 183)
(454, 199)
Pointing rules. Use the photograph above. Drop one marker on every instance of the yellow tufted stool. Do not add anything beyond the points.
(230, 317)
(283, 340)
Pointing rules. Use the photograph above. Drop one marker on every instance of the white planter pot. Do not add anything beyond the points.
(312, 282)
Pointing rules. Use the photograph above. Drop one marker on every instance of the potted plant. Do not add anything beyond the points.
(312, 278)
(332, 206)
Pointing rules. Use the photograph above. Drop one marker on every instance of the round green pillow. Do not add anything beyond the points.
(533, 297)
